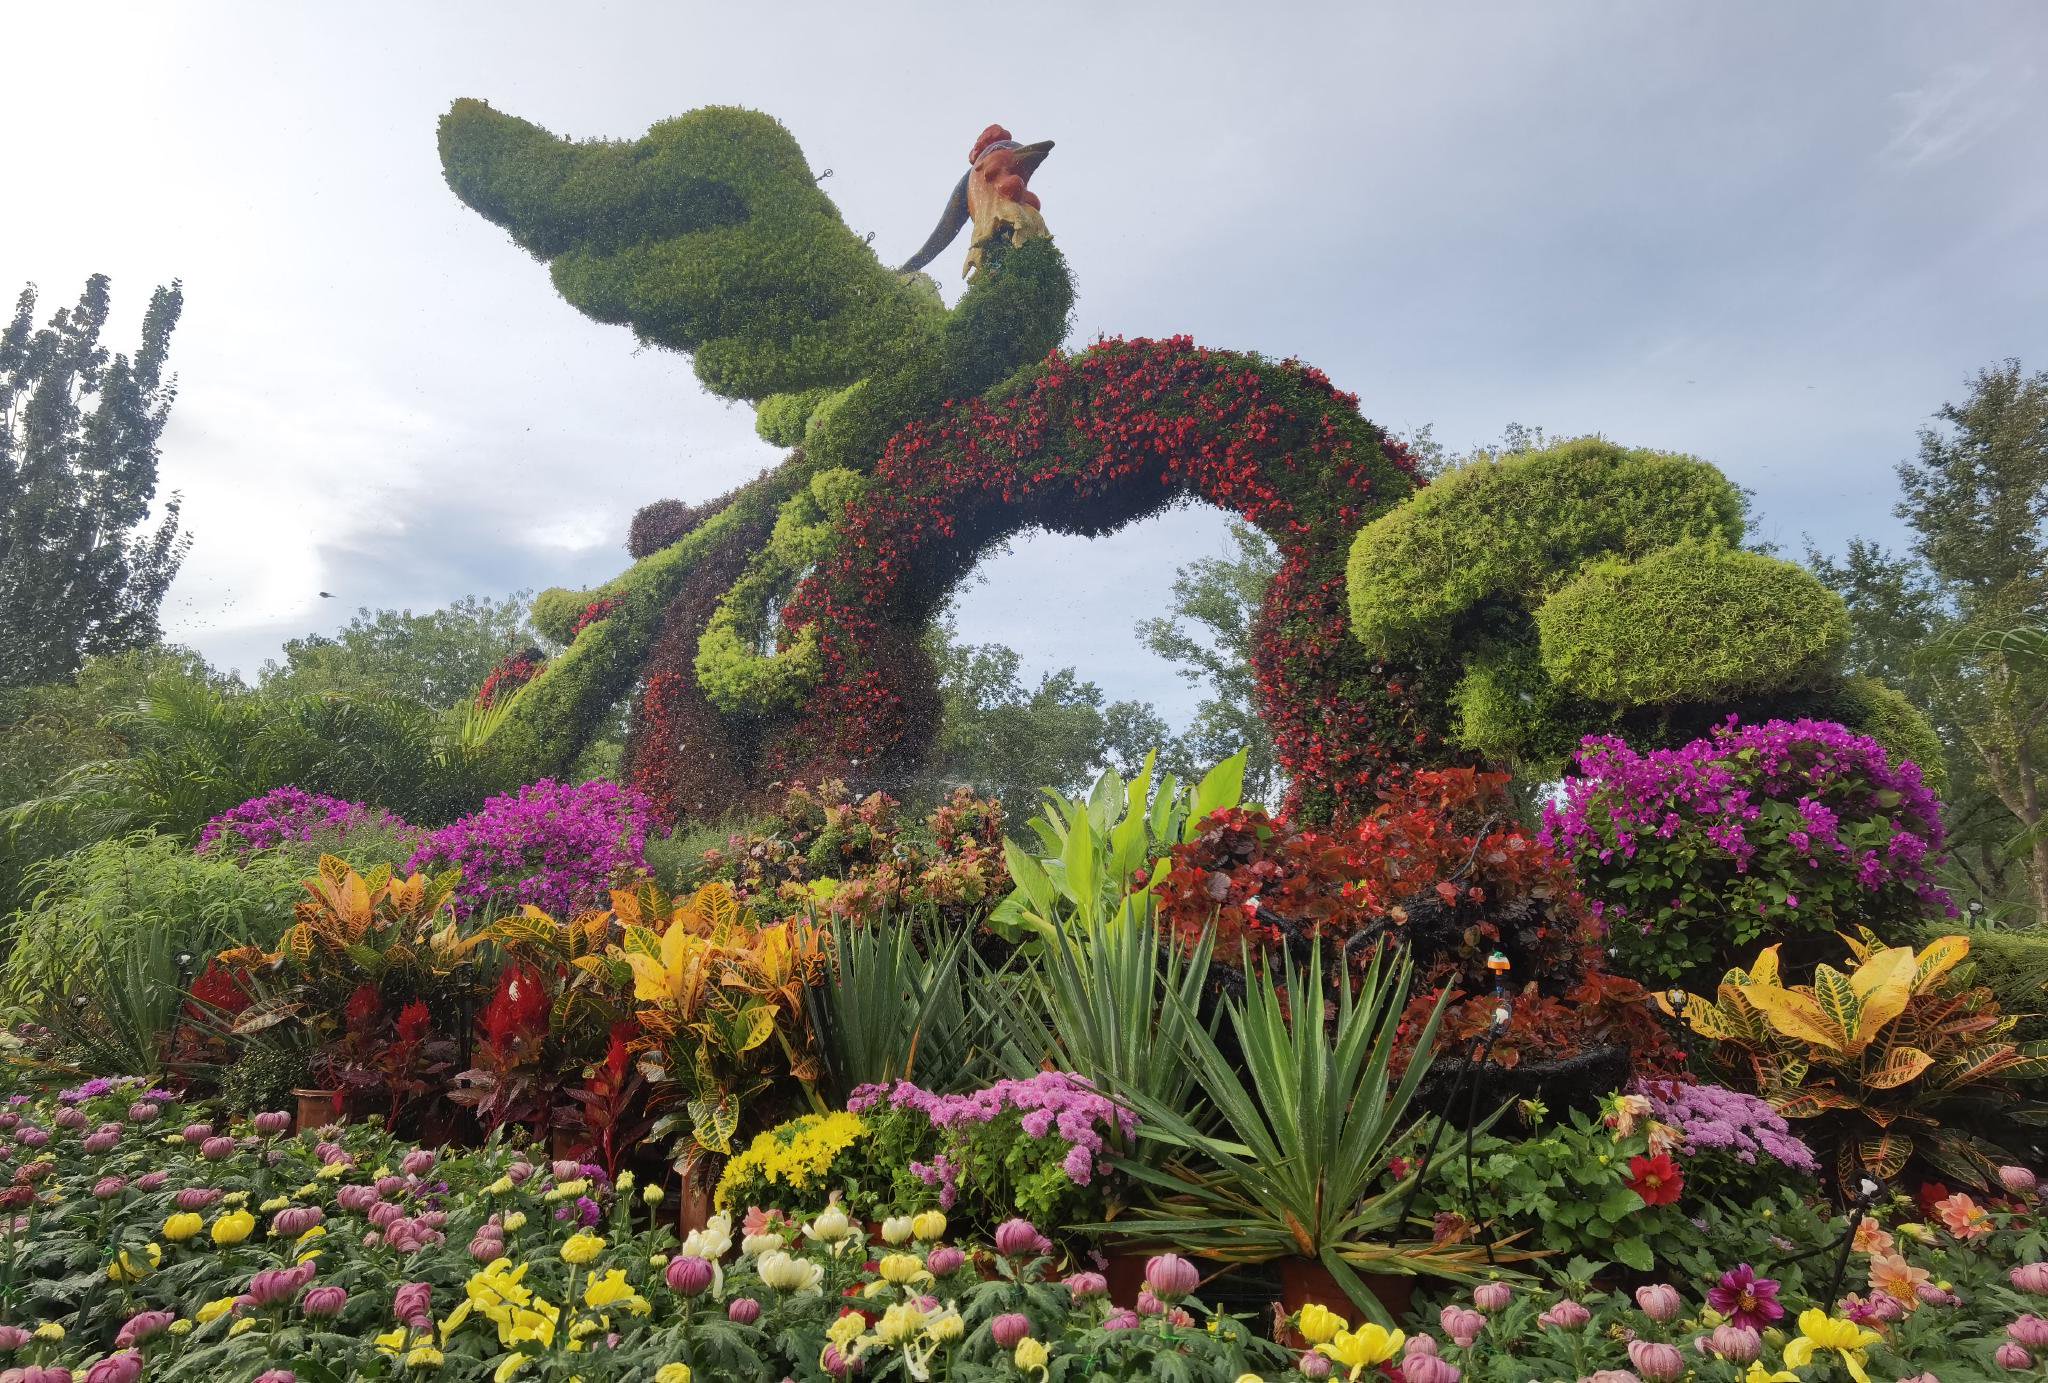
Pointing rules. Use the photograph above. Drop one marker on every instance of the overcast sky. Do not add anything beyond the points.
(1776, 236)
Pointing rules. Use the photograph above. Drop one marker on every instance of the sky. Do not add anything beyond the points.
(1774, 236)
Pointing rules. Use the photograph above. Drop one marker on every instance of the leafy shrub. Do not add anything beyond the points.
(1503, 534)
(1444, 865)
(263, 1076)
(1788, 828)
(1589, 589)
(116, 930)
(2014, 967)
(1697, 621)
(1581, 1187)
(558, 846)
(1883, 1060)
(855, 858)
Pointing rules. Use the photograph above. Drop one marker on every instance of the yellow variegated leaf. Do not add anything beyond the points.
(1937, 958)
(1765, 970)
(1884, 1155)
(720, 910)
(1883, 985)
(1900, 1065)
(641, 941)
(1796, 1014)
(757, 1026)
(1711, 1020)
(1810, 1102)
(650, 980)
(1834, 995)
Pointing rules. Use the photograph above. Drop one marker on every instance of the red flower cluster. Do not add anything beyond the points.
(1085, 445)
(593, 612)
(508, 676)
(516, 1019)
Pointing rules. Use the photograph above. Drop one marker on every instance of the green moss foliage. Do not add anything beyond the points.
(1509, 710)
(1508, 532)
(1590, 588)
(556, 610)
(709, 235)
(547, 723)
(732, 666)
(1696, 621)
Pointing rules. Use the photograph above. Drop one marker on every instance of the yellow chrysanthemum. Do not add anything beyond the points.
(1318, 1324)
(133, 1267)
(233, 1227)
(1366, 1347)
(581, 1248)
(1820, 1331)
(183, 1225)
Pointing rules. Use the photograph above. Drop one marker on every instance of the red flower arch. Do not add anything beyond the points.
(1085, 444)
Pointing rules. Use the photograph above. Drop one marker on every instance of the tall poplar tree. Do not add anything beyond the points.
(81, 572)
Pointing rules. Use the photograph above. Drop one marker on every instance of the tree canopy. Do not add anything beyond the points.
(81, 573)
(1960, 621)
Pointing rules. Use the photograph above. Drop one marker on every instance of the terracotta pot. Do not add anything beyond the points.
(1304, 1280)
(317, 1108)
(1126, 1274)
(441, 1125)
(694, 1202)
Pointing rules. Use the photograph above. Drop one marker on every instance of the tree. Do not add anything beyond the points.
(47, 731)
(1001, 738)
(1957, 623)
(438, 658)
(1219, 597)
(80, 574)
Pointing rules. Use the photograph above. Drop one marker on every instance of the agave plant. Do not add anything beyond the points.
(1116, 1003)
(1298, 1162)
(1887, 1058)
(888, 1009)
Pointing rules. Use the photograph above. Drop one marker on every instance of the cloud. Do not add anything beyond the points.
(1958, 107)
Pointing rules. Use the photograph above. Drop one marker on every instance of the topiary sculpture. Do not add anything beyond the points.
(1590, 588)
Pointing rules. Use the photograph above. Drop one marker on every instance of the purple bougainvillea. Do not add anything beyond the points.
(1693, 856)
(558, 846)
(291, 814)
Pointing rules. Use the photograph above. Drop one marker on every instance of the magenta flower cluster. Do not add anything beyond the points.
(1715, 1119)
(558, 846)
(1800, 824)
(1049, 1104)
(291, 814)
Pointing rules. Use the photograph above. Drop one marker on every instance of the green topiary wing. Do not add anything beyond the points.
(708, 234)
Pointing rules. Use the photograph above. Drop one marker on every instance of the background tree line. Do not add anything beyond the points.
(104, 728)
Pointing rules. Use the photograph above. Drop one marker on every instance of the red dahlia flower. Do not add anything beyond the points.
(1656, 1179)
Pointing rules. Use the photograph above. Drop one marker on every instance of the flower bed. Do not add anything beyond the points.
(147, 1239)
